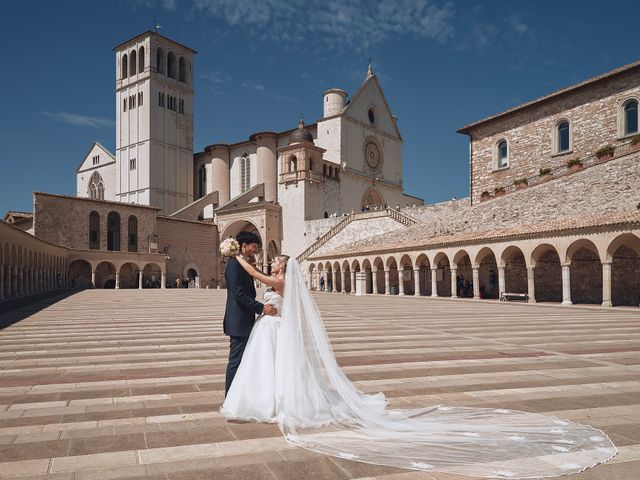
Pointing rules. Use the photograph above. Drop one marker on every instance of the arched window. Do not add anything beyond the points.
(562, 137)
(245, 173)
(96, 187)
(141, 60)
(182, 70)
(631, 117)
(171, 65)
(132, 62)
(502, 154)
(92, 191)
(113, 232)
(293, 163)
(94, 231)
(133, 234)
(160, 60)
(125, 66)
(202, 181)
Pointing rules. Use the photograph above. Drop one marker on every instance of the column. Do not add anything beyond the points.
(333, 281)
(531, 284)
(566, 284)
(14, 281)
(163, 281)
(476, 283)
(416, 282)
(140, 280)
(454, 283)
(374, 277)
(1, 282)
(21, 290)
(117, 280)
(353, 282)
(343, 283)
(434, 282)
(93, 278)
(30, 276)
(501, 281)
(401, 281)
(386, 282)
(606, 284)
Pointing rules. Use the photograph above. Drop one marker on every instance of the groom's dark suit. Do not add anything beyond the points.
(240, 314)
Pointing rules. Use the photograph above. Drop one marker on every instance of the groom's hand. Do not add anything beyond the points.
(270, 310)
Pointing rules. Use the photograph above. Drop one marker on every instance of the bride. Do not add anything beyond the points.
(289, 375)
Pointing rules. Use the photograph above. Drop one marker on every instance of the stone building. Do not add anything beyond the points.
(553, 213)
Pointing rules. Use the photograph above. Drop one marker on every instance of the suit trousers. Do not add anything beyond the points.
(236, 349)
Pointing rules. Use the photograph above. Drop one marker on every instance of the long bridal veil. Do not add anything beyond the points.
(318, 408)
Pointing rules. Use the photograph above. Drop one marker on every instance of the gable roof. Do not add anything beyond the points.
(552, 96)
(373, 78)
(95, 144)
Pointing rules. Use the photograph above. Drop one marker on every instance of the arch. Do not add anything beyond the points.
(515, 270)
(171, 65)
(133, 63)
(238, 226)
(577, 245)
(423, 265)
(378, 268)
(105, 275)
(160, 61)
(141, 59)
(245, 173)
(624, 254)
(125, 66)
(501, 154)
(371, 197)
(464, 274)
(487, 265)
(113, 232)
(182, 70)
(293, 164)
(338, 277)
(151, 276)
(459, 255)
(132, 237)
(128, 275)
(562, 136)
(95, 188)
(368, 273)
(547, 273)
(627, 239)
(630, 116)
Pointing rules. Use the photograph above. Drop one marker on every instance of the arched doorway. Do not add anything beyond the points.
(372, 198)
(586, 272)
(515, 270)
(547, 274)
(106, 275)
(464, 274)
(80, 274)
(152, 276)
(443, 274)
(129, 275)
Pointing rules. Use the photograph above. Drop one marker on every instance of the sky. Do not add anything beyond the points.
(263, 63)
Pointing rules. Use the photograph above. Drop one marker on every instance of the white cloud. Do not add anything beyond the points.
(81, 120)
(518, 25)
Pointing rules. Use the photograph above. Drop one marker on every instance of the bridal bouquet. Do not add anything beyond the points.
(229, 247)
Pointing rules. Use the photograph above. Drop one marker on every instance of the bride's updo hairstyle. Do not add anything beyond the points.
(283, 259)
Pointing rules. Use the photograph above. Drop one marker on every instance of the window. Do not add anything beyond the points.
(124, 104)
(562, 137)
(182, 70)
(163, 100)
(631, 117)
(132, 243)
(94, 231)
(139, 98)
(502, 155)
(125, 66)
(141, 60)
(133, 64)
(202, 181)
(132, 164)
(171, 65)
(293, 164)
(96, 187)
(160, 60)
(113, 232)
(96, 159)
(245, 173)
(372, 116)
(132, 102)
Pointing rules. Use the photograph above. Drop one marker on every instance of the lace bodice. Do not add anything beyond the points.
(273, 298)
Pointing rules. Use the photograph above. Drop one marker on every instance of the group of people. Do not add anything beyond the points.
(282, 370)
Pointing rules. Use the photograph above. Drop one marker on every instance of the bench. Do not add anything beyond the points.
(505, 297)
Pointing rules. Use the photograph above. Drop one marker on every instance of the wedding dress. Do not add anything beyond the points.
(252, 393)
(318, 408)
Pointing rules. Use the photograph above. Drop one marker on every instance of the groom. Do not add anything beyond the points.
(242, 306)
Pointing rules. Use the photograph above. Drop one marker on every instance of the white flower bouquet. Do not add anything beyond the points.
(229, 247)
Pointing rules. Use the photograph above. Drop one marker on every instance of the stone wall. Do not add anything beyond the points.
(593, 112)
(188, 245)
(64, 220)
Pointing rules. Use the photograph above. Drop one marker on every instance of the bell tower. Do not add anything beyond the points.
(154, 122)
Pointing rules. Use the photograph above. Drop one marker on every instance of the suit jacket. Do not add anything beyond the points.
(242, 306)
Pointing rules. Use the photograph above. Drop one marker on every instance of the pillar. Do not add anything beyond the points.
(374, 276)
(531, 284)
(334, 276)
(501, 280)
(566, 284)
(606, 284)
(416, 281)
(476, 283)
(163, 281)
(454, 282)
(21, 289)
(343, 283)
(220, 171)
(401, 282)
(267, 164)
(93, 278)
(353, 282)
(140, 280)
(14, 281)
(117, 280)
(434, 282)
(387, 291)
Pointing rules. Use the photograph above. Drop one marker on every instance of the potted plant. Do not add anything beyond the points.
(545, 174)
(574, 165)
(499, 191)
(520, 183)
(605, 153)
(485, 196)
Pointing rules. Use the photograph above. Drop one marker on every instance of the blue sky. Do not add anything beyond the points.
(260, 64)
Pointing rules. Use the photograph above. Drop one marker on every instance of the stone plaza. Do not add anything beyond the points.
(89, 391)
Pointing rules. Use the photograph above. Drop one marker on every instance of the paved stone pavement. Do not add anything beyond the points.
(127, 384)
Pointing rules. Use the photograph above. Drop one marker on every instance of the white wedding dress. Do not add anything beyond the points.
(318, 408)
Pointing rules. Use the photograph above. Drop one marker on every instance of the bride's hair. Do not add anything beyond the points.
(283, 259)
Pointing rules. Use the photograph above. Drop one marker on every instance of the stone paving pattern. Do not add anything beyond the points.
(127, 384)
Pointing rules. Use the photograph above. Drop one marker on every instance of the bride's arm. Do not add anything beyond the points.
(274, 282)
